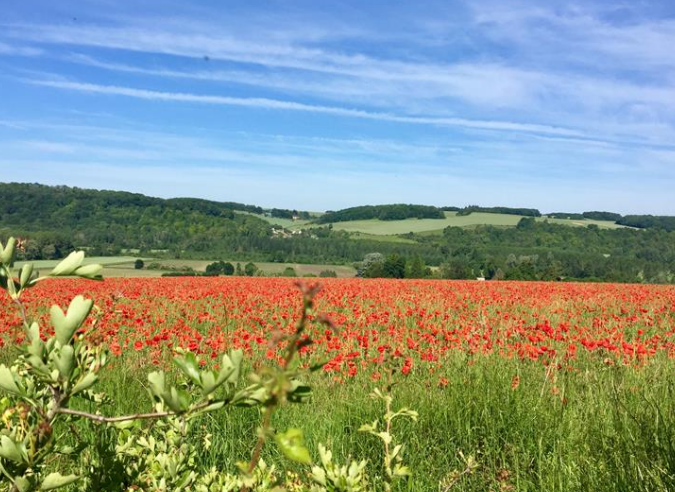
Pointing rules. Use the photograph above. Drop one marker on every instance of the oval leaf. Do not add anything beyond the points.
(92, 272)
(68, 266)
(65, 325)
(9, 450)
(292, 444)
(56, 480)
(7, 381)
(7, 254)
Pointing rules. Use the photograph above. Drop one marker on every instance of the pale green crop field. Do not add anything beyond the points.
(285, 223)
(103, 260)
(602, 224)
(389, 227)
(376, 227)
(123, 266)
(267, 267)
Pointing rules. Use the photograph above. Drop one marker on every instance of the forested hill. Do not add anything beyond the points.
(62, 217)
(382, 212)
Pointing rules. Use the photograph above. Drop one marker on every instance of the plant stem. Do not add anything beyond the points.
(126, 418)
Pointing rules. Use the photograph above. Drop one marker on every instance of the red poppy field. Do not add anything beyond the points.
(551, 386)
(418, 322)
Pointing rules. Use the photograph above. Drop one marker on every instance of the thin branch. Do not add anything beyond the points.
(22, 311)
(255, 457)
(126, 418)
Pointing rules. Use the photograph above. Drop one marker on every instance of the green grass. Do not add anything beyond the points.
(597, 429)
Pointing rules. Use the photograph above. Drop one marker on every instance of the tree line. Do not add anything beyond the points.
(382, 212)
(56, 220)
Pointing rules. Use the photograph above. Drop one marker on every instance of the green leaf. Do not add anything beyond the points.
(157, 383)
(236, 356)
(7, 381)
(85, 383)
(65, 325)
(22, 484)
(92, 272)
(34, 332)
(299, 392)
(175, 399)
(56, 480)
(26, 272)
(213, 406)
(68, 266)
(292, 444)
(7, 253)
(189, 366)
(9, 450)
(37, 364)
(64, 361)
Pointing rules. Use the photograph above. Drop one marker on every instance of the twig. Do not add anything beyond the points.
(126, 418)
(455, 480)
(22, 311)
(255, 457)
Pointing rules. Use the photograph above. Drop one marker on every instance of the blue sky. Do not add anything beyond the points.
(563, 106)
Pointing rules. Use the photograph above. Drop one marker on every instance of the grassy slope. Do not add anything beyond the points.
(602, 224)
(379, 227)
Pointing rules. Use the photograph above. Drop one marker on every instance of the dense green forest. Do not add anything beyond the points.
(382, 212)
(527, 212)
(648, 222)
(55, 220)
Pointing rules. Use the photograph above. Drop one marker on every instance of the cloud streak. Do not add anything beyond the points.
(275, 104)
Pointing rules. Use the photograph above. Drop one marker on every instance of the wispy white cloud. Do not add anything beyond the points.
(581, 33)
(567, 97)
(7, 49)
(266, 103)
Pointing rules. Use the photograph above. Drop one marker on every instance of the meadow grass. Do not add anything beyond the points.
(600, 428)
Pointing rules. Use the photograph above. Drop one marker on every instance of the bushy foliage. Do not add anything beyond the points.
(595, 215)
(665, 223)
(383, 212)
(527, 212)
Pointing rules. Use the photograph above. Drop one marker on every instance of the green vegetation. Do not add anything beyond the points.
(378, 227)
(523, 212)
(457, 246)
(57, 219)
(382, 212)
(595, 429)
(648, 222)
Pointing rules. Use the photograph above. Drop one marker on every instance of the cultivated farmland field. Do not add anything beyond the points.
(123, 266)
(392, 227)
(550, 386)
